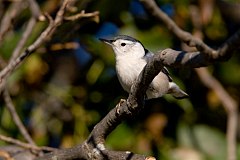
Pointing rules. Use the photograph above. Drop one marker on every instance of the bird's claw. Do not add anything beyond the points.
(119, 105)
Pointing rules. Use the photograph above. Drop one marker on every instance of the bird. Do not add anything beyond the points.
(131, 56)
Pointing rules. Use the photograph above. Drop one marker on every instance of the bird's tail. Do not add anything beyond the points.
(176, 92)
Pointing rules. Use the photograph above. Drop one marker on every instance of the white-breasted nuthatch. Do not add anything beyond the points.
(131, 57)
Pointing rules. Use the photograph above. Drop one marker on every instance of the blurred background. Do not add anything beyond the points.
(69, 84)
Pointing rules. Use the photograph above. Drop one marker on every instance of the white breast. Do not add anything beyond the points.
(128, 71)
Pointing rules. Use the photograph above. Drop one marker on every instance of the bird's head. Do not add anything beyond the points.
(125, 46)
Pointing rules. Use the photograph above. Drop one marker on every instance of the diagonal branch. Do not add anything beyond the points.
(16, 119)
(25, 36)
(209, 54)
(228, 47)
(10, 15)
(34, 7)
(203, 57)
(36, 13)
(46, 34)
(82, 14)
(25, 145)
(93, 147)
(229, 104)
(186, 37)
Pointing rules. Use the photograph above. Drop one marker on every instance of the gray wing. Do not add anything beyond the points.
(165, 71)
(149, 55)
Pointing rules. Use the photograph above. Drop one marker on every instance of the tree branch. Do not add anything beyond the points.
(206, 55)
(24, 38)
(203, 57)
(93, 147)
(186, 37)
(229, 104)
(46, 34)
(34, 7)
(16, 118)
(82, 14)
(36, 13)
(9, 16)
(25, 145)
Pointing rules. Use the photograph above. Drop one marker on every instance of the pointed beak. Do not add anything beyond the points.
(107, 41)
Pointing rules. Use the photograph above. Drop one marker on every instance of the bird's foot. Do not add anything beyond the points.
(118, 106)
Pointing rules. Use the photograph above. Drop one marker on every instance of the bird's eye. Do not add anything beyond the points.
(123, 44)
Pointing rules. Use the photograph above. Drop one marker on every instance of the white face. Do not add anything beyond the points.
(126, 48)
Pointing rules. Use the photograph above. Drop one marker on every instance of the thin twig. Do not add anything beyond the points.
(15, 63)
(23, 39)
(197, 59)
(34, 7)
(45, 35)
(8, 18)
(186, 37)
(80, 15)
(222, 54)
(26, 145)
(229, 104)
(6, 96)
(16, 118)
(31, 23)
